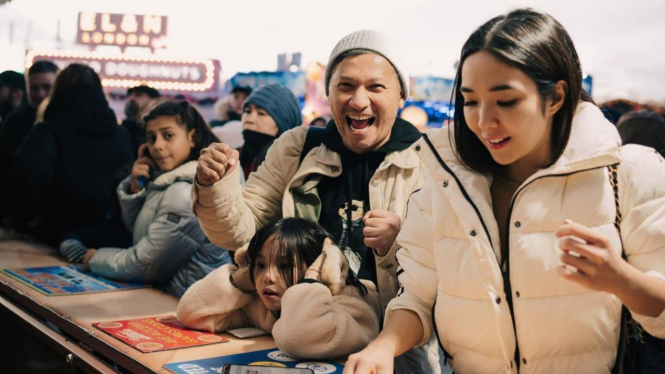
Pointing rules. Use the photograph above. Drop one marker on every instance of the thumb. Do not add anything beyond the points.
(332, 269)
(367, 216)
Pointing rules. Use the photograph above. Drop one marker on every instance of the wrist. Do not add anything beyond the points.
(627, 282)
(312, 274)
(385, 343)
(133, 186)
(204, 182)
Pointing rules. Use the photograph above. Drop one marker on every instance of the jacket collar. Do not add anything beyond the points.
(404, 159)
(594, 142)
(184, 172)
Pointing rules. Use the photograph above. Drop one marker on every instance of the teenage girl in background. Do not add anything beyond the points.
(169, 248)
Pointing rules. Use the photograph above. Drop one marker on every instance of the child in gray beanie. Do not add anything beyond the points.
(268, 112)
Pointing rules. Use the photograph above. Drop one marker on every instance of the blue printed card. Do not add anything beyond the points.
(66, 280)
(269, 357)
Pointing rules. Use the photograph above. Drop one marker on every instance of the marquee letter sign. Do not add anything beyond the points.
(123, 72)
(122, 30)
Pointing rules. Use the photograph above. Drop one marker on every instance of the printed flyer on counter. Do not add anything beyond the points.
(269, 357)
(157, 334)
(66, 280)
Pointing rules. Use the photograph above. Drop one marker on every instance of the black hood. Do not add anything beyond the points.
(403, 134)
(84, 109)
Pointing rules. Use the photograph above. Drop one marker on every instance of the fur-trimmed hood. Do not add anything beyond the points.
(185, 172)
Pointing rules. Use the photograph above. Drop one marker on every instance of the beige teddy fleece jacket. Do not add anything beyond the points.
(313, 324)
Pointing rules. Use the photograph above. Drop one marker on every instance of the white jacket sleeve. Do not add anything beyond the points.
(229, 213)
(330, 326)
(417, 273)
(168, 245)
(642, 199)
(214, 304)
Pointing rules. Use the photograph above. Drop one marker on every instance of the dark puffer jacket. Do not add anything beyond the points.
(66, 172)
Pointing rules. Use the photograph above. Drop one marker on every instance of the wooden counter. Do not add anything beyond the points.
(82, 345)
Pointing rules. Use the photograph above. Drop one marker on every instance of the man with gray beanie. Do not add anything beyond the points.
(355, 180)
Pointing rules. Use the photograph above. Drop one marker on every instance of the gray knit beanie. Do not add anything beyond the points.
(280, 103)
(374, 41)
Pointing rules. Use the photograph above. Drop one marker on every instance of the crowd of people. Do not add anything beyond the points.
(526, 236)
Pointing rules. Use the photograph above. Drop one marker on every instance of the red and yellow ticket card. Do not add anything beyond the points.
(157, 334)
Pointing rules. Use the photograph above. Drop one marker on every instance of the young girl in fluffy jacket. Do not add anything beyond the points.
(169, 248)
(291, 280)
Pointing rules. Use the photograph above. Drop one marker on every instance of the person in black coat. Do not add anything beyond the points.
(41, 77)
(65, 173)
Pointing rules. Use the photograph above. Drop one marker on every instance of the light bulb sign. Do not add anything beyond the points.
(122, 30)
(123, 71)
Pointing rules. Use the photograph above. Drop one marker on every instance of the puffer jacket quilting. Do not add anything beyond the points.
(170, 250)
(450, 254)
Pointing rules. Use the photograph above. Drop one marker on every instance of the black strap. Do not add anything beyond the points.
(314, 139)
(614, 181)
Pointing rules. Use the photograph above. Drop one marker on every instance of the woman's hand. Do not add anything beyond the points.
(216, 161)
(141, 169)
(375, 359)
(590, 260)
(402, 332)
(599, 267)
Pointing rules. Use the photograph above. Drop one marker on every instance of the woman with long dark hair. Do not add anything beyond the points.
(512, 251)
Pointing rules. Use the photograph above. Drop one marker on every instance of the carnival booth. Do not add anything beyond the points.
(295, 81)
(60, 318)
(133, 61)
(432, 95)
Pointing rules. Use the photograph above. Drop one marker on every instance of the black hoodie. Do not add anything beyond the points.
(352, 188)
(66, 172)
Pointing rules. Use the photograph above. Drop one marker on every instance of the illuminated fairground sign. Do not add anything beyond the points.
(123, 71)
(122, 30)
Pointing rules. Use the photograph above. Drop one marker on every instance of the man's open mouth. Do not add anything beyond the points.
(359, 123)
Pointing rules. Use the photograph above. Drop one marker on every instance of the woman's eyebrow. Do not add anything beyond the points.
(501, 87)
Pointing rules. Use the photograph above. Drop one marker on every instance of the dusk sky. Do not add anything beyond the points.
(621, 43)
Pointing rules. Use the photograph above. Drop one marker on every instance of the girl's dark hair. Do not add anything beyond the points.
(185, 114)
(75, 76)
(298, 240)
(539, 46)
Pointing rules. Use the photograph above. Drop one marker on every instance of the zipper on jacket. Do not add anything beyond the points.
(505, 264)
(505, 253)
